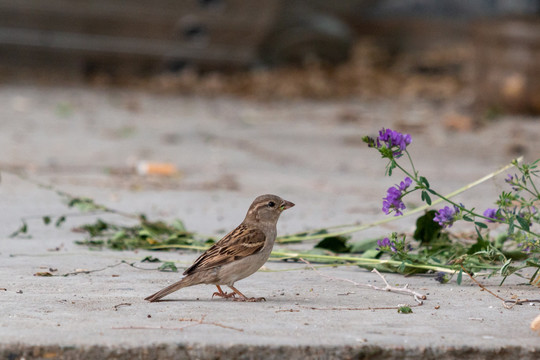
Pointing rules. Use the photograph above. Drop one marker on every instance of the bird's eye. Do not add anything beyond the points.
(271, 204)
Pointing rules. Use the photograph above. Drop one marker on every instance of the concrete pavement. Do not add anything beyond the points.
(85, 141)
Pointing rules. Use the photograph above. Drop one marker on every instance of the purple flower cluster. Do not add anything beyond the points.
(514, 182)
(393, 139)
(442, 277)
(393, 244)
(392, 201)
(525, 247)
(386, 244)
(446, 216)
(492, 214)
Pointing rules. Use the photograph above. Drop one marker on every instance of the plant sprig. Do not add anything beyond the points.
(516, 211)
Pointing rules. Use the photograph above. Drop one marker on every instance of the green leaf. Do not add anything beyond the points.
(511, 227)
(150, 259)
(60, 221)
(363, 245)
(523, 223)
(506, 269)
(369, 141)
(404, 310)
(337, 244)
(90, 243)
(426, 197)
(480, 245)
(427, 230)
(424, 181)
(371, 254)
(178, 224)
(388, 154)
(119, 235)
(84, 204)
(96, 228)
(46, 220)
(479, 234)
(23, 229)
(168, 266)
(480, 224)
(459, 277)
(178, 239)
(534, 280)
(516, 255)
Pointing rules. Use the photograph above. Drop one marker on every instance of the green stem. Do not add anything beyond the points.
(414, 177)
(412, 164)
(534, 186)
(523, 188)
(280, 255)
(177, 246)
(358, 261)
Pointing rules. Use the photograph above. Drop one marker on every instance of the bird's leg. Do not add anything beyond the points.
(223, 294)
(243, 297)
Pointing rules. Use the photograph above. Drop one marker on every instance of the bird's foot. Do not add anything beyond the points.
(224, 295)
(252, 299)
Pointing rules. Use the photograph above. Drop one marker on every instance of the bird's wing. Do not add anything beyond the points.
(239, 243)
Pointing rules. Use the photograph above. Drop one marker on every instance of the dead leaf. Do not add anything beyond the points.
(458, 122)
(535, 325)
(43, 273)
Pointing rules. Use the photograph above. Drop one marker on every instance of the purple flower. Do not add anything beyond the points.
(392, 201)
(446, 216)
(393, 139)
(386, 244)
(382, 243)
(405, 183)
(525, 247)
(492, 214)
(512, 181)
(393, 244)
(442, 277)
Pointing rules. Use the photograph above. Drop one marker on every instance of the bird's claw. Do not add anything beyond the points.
(224, 295)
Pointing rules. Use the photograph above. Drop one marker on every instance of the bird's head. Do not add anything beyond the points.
(267, 208)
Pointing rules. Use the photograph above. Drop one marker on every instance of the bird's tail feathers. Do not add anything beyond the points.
(187, 281)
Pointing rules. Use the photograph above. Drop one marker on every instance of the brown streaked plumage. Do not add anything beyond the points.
(238, 254)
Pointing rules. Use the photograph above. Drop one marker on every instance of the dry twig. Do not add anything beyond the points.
(507, 304)
(122, 304)
(419, 298)
(86, 271)
(181, 328)
(359, 308)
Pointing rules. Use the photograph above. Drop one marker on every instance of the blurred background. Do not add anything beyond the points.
(283, 49)
(191, 108)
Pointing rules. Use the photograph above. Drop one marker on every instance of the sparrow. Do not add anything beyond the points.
(238, 254)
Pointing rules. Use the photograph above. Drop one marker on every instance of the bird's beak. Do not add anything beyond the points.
(286, 205)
